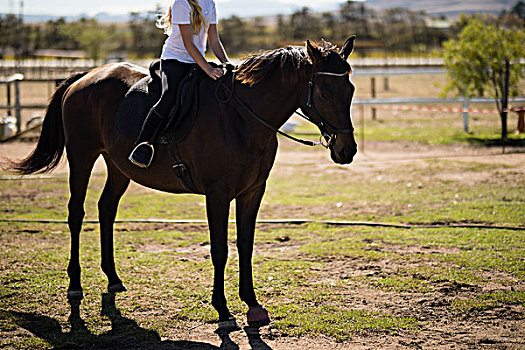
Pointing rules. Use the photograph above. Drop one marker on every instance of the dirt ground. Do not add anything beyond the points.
(498, 328)
(374, 153)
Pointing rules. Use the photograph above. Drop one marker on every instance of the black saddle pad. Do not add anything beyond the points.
(145, 93)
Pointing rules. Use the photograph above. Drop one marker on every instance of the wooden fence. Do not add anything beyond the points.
(15, 106)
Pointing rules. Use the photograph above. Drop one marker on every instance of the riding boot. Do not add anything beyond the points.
(143, 150)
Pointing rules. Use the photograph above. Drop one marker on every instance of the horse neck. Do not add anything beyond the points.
(274, 101)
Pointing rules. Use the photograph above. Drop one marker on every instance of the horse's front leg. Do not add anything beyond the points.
(218, 209)
(247, 207)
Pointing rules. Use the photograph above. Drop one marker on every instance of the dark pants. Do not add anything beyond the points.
(172, 72)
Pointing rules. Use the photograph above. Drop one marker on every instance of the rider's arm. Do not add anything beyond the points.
(216, 44)
(186, 31)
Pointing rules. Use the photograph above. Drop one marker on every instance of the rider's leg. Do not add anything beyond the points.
(172, 72)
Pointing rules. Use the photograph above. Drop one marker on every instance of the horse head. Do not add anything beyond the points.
(329, 97)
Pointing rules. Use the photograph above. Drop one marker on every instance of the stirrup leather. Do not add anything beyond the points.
(140, 165)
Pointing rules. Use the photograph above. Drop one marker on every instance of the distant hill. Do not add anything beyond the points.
(101, 17)
(447, 8)
(243, 8)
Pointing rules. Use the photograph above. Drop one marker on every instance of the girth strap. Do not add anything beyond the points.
(181, 169)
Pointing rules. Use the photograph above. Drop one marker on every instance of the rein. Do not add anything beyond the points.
(309, 104)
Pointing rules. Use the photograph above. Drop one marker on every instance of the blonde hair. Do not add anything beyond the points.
(196, 18)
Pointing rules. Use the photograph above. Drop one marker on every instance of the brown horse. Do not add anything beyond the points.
(229, 152)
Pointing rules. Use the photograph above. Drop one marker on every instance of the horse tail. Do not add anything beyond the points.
(48, 152)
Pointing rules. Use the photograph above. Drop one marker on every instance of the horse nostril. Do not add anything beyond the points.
(350, 152)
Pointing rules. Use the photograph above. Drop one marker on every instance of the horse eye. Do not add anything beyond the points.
(324, 95)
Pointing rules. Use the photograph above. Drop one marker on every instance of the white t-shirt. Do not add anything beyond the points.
(181, 14)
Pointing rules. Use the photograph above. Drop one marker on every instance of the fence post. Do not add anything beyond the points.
(362, 147)
(18, 109)
(9, 111)
(373, 82)
(386, 86)
(521, 121)
(465, 115)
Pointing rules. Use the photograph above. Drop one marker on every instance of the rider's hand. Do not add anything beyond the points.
(216, 73)
(228, 66)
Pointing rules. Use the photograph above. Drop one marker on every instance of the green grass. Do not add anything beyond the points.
(339, 323)
(398, 284)
(490, 301)
(435, 132)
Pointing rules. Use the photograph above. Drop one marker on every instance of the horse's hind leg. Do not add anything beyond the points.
(80, 166)
(116, 185)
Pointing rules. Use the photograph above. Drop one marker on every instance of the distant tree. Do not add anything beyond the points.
(330, 26)
(90, 36)
(519, 10)
(259, 27)
(36, 36)
(478, 60)
(348, 17)
(305, 25)
(146, 38)
(402, 29)
(514, 18)
(136, 26)
(9, 34)
(283, 29)
(53, 38)
(234, 34)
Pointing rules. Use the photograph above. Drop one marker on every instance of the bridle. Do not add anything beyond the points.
(329, 133)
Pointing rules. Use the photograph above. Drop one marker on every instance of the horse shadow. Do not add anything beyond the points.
(124, 333)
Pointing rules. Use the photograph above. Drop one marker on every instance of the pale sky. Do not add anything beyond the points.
(92, 7)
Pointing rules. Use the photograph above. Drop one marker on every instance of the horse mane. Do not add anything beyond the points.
(289, 59)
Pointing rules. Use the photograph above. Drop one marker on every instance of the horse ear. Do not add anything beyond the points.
(313, 52)
(348, 48)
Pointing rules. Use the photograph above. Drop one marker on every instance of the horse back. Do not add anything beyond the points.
(89, 106)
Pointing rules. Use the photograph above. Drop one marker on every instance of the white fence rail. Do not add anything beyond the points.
(86, 63)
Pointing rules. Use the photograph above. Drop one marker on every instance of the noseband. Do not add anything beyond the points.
(328, 131)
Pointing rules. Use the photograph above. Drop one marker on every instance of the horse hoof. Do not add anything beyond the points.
(75, 295)
(117, 288)
(258, 317)
(228, 326)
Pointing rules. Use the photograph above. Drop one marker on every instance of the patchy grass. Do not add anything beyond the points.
(340, 323)
(490, 301)
(334, 282)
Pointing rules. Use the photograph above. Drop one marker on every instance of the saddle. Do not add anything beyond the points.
(146, 92)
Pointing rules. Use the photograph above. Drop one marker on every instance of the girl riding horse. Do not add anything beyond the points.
(188, 24)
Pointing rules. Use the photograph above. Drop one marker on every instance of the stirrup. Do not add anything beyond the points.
(141, 165)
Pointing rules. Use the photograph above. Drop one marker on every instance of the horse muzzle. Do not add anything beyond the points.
(343, 149)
